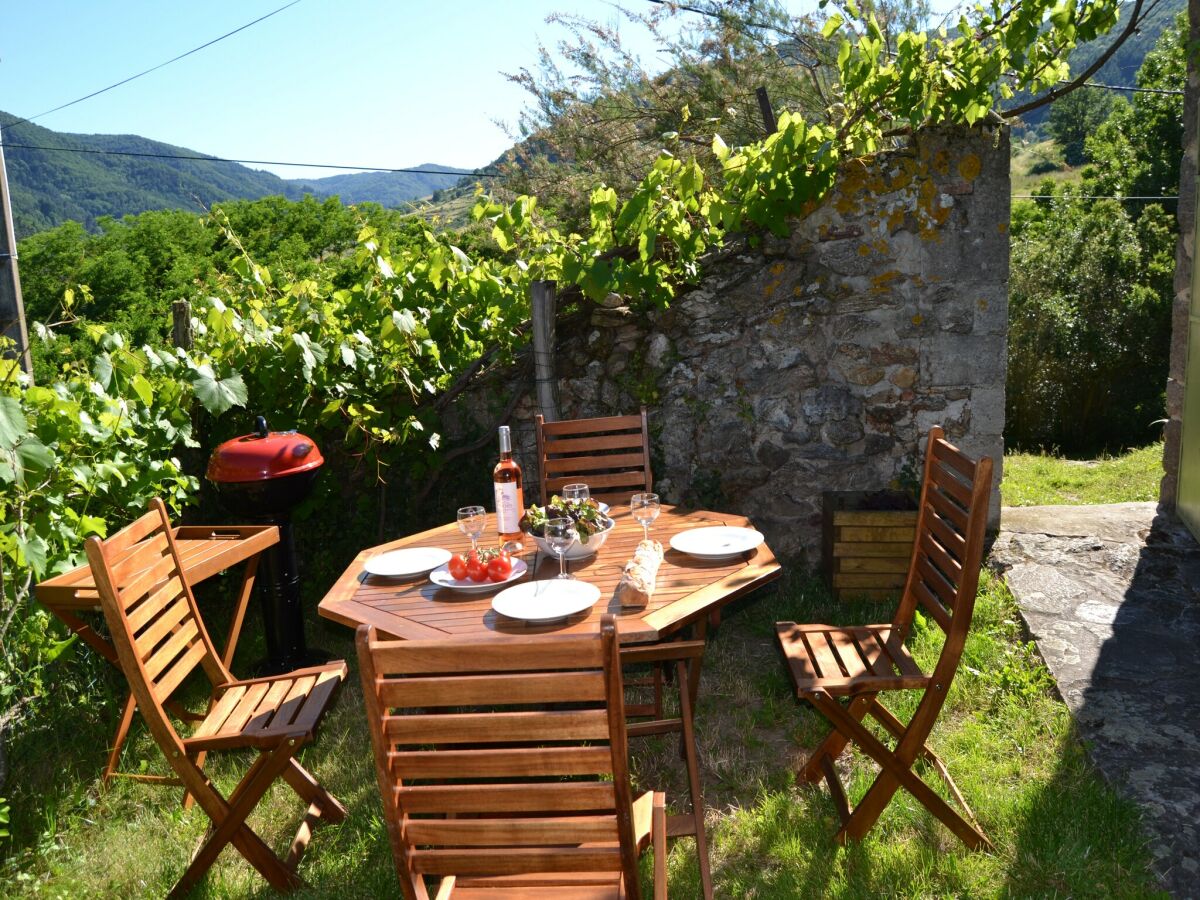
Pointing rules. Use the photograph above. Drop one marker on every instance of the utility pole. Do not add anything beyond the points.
(12, 310)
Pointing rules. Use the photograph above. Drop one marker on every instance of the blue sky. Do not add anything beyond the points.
(351, 82)
(335, 81)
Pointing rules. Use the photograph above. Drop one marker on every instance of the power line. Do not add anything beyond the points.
(252, 162)
(1087, 197)
(1121, 87)
(152, 69)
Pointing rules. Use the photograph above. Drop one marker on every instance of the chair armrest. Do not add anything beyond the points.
(658, 839)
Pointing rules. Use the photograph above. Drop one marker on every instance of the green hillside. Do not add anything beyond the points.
(50, 187)
(385, 188)
(1123, 65)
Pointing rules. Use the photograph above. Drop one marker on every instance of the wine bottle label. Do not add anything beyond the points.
(508, 507)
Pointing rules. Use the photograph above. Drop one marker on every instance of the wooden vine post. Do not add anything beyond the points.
(544, 300)
(181, 324)
(768, 113)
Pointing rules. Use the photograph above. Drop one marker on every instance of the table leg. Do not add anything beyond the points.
(699, 633)
(89, 635)
(235, 631)
(239, 611)
(119, 738)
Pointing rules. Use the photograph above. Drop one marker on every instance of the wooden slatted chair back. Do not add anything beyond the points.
(610, 454)
(501, 759)
(157, 631)
(947, 553)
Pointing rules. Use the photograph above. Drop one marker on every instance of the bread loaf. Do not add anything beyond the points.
(637, 581)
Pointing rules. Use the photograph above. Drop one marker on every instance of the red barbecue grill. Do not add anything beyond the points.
(264, 476)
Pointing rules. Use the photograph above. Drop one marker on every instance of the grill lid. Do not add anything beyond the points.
(263, 455)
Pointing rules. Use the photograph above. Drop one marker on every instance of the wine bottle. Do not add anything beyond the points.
(510, 497)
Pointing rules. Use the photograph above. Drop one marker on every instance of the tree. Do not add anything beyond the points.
(1075, 117)
(871, 73)
(599, 114)
(1137, 151)
(1089, 324)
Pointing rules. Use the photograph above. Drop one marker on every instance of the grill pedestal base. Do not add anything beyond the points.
(282, 612)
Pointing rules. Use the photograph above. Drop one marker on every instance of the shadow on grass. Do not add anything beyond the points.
(1017, 763)
(1058, 827)
(72, 836)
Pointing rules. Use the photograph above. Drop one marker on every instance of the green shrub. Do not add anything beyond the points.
(76, 456)
(1044, 166)
(1089, 325)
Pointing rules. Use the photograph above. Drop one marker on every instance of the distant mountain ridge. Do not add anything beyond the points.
(48, 187)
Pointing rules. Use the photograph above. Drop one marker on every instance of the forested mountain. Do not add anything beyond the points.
(385, 188)
(1123, 65)
(81, 182)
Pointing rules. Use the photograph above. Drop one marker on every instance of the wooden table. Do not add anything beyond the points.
(688, 589)
(688, 592)
(205, 551)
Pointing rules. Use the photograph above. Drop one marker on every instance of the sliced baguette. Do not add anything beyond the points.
(636, 586)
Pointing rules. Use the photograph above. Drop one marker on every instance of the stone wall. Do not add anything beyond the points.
(1177, 372)
(819, 362)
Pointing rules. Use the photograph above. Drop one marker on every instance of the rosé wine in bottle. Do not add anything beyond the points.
(510, 496)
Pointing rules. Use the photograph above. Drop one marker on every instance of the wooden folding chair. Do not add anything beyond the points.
(504, 769)
(828, 663)
(611, 454)
(160, 639)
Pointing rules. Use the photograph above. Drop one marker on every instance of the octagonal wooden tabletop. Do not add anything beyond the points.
(687, 590)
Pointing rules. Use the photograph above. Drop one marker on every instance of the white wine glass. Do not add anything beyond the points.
(472, 520)
(560, 535)
(576, 491)
(645, 508)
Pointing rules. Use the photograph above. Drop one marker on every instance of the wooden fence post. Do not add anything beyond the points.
(543, 297)
(181, 324)
(764, 107)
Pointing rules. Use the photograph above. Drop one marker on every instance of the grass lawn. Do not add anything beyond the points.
(1045, 155)
(1039, 480)
(1059, 830)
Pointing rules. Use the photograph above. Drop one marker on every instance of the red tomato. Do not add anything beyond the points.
(477, 570)
(500, 567)
(458, 566)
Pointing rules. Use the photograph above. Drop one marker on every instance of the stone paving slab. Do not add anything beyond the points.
(1111, 594)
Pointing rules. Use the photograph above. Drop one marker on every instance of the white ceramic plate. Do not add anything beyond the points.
(441, 577)
(407, 563)
(546, 601)
(716, 542)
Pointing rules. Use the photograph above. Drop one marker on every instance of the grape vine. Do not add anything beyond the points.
(365, 350)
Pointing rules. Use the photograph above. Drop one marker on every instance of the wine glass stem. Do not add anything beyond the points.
(562, 564)
(645, 531)
(474, 544)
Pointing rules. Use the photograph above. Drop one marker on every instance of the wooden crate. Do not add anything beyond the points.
(867, 552)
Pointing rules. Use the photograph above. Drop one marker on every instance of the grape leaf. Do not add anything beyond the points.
(218, 394)
(35, 455)
(13, 426)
